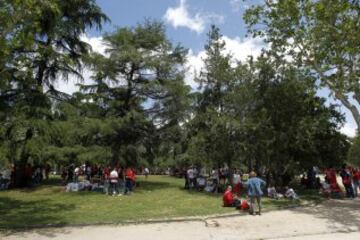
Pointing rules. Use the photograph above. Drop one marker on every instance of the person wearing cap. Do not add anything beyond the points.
(255, 185)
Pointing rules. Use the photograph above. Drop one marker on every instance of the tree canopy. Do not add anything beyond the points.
(321, 37)
(262, 113)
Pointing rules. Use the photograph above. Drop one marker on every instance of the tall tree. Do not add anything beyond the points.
(139, 84)
(261, 114)
(40, 43)
(320, 36)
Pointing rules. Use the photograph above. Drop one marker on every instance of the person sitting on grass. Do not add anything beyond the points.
(254, 185)
(325, 189)
(200, 183)
(272, 193)
(230, 200)
(290, 193)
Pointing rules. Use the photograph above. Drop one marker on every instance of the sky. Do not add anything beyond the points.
(187, 22)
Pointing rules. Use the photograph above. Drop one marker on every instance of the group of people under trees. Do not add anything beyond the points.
(27, 175)
(254, 190)
(113, 181)
(350, 179)
(329, 187)
(255, 185)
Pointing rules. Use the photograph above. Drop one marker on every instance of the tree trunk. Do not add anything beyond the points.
(354, 111)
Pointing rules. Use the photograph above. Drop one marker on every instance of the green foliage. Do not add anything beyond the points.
(39, 43)
(263, 115)
(138, 98)
(319, 36)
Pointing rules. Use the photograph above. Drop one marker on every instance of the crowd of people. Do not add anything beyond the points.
(28, 175)
(350, 178)
(231, 182)
(254, 185)
(198, 179)
(112, 181)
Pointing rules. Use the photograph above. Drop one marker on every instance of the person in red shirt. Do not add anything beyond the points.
(106, 173)
(229, 199)
(129, 180)
(330, 174)
(356, 180)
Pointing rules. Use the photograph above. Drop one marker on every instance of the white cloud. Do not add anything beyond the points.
(240, 49)
(180, 17)
(69, 86)
(194, 64)
(96, 43)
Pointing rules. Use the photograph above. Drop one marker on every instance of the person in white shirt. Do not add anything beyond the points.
(236, 181)
(215, 179)
(290, 193)
(76, 174)
(146, 172)
(114, 178)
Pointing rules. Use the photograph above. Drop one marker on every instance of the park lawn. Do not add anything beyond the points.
(155, 198)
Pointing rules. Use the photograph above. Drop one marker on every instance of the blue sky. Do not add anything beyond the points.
(227, 14)
(187, 22)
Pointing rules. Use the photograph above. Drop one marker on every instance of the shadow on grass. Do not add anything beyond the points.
(52, 182)
(18, 215)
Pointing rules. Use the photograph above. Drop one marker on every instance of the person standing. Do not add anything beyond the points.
(129, 180)
(356, 180)
(88, 172)
(346, 179)
(70, 173)
(76, 174)
(146, 173)
(47, 171)
(28, 175)
(236, 181)
(255, 192)
(191, 177)
(215, 179)
(114, 178)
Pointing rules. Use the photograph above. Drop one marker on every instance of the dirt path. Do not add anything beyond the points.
(334, 219)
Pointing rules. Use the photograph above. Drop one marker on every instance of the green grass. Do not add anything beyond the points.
(158, 197)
